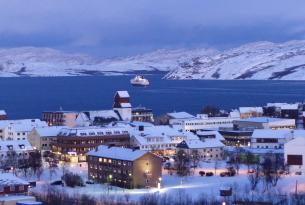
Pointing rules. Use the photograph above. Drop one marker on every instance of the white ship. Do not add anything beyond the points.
(139, 80)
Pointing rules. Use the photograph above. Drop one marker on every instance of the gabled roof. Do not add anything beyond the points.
(180, 115)
(123, 94)
(269, 133)
(198, 144)
(117, 153)
(17, 145)
(2, 112)
(49, 131)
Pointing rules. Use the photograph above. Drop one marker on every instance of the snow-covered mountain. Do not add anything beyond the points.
(261, 60)
(31, 61)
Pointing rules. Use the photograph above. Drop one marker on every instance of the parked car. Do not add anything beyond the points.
(209, 174)
(56, 183)
(251, 171)
(201, 173)
(89, 182)
(229, 173)
(32, 184)
(298, 173)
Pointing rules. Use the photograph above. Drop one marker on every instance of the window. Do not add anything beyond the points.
(12, 188)
(294, 159)
(1, 189)
(21, 188)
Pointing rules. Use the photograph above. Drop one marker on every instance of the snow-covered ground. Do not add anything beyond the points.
(194, 186)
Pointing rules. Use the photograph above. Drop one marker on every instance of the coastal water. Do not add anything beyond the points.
(28, 97)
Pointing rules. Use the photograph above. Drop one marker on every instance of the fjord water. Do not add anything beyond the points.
(28, 97)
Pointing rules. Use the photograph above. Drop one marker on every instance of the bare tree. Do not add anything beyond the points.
(182, 164)
(195, 159)
(255, 177)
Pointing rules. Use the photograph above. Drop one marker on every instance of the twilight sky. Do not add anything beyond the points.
(126, 27)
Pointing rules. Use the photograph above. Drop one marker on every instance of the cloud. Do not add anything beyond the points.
(126, 27)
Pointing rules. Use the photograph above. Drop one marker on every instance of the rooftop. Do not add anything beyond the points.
(263, 119)
(123, 94)
(7, 179)
(180, 115)
(117, 153)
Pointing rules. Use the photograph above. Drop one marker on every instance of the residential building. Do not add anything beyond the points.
(247, 112)
(95, 118)
(73, 143)
(12, 185)
(127, 168)
(3, 115)
(282, 110)
(294, 152)
(122, 105)
(161, 140)
(142, 114)
(264, 123)
(18, 129)
(202, 122)
(209, 149)
(60, 118)
(42, 138)
(19, 149)
(273, 139)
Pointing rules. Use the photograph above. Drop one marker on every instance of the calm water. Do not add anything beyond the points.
(28, 97)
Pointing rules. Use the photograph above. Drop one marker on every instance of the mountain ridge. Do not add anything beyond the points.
(259, 60)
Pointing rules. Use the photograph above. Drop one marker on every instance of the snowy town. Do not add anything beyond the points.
(126, 155)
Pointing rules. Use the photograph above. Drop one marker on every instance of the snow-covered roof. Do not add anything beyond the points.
(7, 179)
(250, 109)
(23, 122)
(269, 133)
(123, 94)
(102, 113)
(198, 144)
(284, 106)
(92, 131)
(50, 131)
(180, 115)
(2, 112)
(209, 133)
(125, 105)
(263, 119)
(116, 153)
(15, 145)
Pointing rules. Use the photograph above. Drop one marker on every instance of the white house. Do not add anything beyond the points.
(294, 152)
(41, 138)
(161, 139)
(22, 148)
(201, 122)
(209, 149)
(273, 139)
(18, 129)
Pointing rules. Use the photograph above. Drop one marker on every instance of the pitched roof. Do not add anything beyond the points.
(2, 112)
(49, 131)
(263, 119)
(198, 144)
(123, 94)
(116, 153)
(180, 115)
(17, 145)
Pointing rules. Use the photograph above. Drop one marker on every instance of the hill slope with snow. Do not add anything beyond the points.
(261, 60)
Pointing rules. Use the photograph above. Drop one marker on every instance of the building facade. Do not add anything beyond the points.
(122, 105)
(73, 143)
(124, 167)
(60, 118)
(142, 114)
(12, 185)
